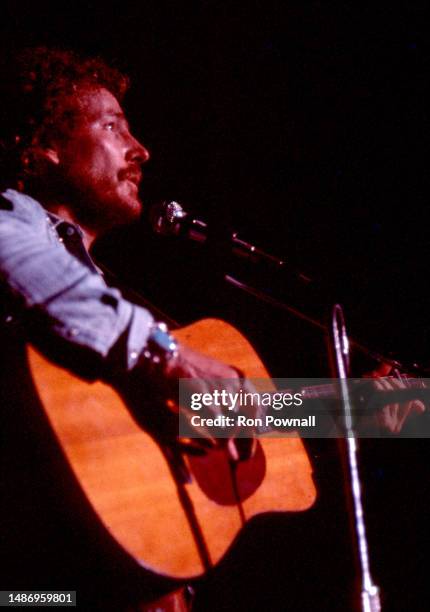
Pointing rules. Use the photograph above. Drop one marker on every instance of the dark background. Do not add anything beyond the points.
(302, 126)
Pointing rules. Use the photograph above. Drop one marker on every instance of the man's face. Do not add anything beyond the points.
(99, 162)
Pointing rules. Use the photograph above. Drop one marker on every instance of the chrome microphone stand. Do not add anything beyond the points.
(168, 218)
(370, 600)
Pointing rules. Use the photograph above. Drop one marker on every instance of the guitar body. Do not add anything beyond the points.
(177, 529)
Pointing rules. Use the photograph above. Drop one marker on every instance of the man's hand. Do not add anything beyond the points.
(207, 375)
(393, 416)
(192, 364)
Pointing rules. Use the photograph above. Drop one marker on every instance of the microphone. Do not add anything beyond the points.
(170, 219)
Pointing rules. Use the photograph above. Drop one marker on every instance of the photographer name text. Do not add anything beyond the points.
(240, 420)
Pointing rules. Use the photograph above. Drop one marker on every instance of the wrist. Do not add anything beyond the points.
(161, 347)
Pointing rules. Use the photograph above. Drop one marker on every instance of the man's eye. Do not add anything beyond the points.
(110, 126)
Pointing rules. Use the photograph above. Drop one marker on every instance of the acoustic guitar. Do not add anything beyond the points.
(173, 525)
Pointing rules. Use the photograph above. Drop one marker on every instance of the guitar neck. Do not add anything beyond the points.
(304, 403)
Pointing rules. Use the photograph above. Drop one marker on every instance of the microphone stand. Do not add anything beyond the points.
(268, 299)
(168, 218)
(174, 221)
(370, 600)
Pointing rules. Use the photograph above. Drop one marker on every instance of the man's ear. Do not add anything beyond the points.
(50, 155)
(37, 159)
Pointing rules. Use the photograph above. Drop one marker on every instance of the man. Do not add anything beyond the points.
(72, 170)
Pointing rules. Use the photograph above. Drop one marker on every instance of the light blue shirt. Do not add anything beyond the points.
(67, 299)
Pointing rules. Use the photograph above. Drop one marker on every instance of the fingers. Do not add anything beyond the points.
(393, 416)
(418, 406)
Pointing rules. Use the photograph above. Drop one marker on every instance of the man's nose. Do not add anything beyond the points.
(137, 152)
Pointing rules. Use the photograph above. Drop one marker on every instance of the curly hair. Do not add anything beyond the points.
(33, 90)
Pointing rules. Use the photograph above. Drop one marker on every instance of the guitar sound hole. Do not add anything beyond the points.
(225, 482)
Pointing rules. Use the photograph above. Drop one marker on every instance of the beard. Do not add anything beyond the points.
(101, 206)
